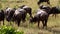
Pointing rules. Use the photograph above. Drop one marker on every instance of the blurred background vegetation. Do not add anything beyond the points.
(31, 3)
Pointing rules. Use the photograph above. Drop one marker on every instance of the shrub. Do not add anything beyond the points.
(9, 30)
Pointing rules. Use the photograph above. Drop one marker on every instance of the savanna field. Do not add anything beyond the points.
(53, 25)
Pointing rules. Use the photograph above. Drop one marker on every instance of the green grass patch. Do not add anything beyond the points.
(10, 30)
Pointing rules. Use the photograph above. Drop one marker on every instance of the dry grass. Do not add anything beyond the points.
(53, 24)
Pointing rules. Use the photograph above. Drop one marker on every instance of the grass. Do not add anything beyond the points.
(53, 24)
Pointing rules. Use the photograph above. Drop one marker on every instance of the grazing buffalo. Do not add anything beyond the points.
(40, 1)
(52, 10)
(20, 14)
(9, 13)
(28, 9)
(40, 16)
(55, 10)
(46, 8)
(2, 16)
(7, 10)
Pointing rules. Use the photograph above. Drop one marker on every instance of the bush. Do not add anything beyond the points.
(9, 30)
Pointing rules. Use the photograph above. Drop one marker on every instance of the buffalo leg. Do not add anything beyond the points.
(18, 22)
(43, 23)
(55, 15)
(38, 23)
(3, 22)
(23, 18)
(30, 13)
(0, 22)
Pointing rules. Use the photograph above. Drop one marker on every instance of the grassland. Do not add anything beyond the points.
(53, 24)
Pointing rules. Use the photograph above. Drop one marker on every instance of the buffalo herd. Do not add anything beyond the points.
(19, 14)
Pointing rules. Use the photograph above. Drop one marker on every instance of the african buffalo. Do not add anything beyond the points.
(20, 14)
(9, 13)
(40, 1)
(2, 16)
(28, 9)
(52, 10)
(55, 11)
(40, 16)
